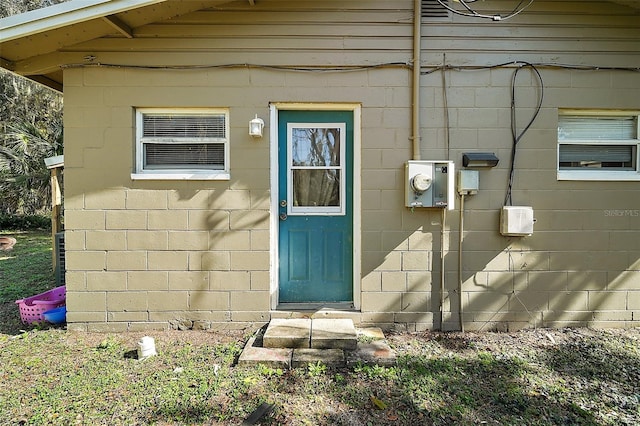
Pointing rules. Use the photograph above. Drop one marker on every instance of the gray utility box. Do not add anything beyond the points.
(429, 184)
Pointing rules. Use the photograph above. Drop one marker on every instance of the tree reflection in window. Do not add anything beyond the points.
(316, 166)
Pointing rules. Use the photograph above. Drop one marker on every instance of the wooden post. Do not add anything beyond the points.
(56, 205)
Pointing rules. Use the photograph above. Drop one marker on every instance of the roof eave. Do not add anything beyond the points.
(64, 14)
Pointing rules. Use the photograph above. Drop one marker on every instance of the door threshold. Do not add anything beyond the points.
(316, 306)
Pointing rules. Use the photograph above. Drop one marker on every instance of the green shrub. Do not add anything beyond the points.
(24, 222)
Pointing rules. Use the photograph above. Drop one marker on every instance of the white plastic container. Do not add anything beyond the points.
(146, 347)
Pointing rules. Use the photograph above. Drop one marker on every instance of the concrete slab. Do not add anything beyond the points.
(377, 352)
(273, 357)
(287, 333)
(332, 358)
(336, 333)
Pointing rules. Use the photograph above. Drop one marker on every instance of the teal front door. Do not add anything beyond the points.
(315, 201)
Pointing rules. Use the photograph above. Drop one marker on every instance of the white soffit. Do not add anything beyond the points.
(64, 14)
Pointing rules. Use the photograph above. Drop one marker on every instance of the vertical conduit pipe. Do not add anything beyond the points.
(442, 272)
(415, 112)
(415, 137)
(460, 238)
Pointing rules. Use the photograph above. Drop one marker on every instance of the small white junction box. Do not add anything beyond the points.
(468, 182)
(516, 221)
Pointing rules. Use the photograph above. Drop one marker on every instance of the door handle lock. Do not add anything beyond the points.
(283, 216)
(283, 203)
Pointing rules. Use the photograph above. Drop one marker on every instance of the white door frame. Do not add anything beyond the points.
(274, 219)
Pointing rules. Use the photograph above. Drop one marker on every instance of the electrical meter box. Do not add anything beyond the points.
(429, 184)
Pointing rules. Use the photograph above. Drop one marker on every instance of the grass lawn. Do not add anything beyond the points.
(533, 377)
(24, 271)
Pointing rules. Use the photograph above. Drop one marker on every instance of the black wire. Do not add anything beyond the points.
(293, 68)
(347, 68)
(516, 137)
(550, 65)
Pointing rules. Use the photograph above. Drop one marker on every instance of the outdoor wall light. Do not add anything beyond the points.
(255, 127)
(479, 159)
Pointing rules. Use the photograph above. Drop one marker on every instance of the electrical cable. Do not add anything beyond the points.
(293, 68)
(549, 65)
(347, 68)
(516, 137)
(445, 107)
(471, 13)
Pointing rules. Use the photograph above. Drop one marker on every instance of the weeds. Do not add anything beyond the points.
(316, 369)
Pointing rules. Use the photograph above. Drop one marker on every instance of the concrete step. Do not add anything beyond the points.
(336, 345)
(321, 333)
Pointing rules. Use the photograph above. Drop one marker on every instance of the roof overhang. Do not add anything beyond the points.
(62, 15)
(32, 44)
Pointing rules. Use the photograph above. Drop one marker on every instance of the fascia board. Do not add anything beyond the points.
(64, 14)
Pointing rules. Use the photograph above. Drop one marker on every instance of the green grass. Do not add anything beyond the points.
(24, 271)
(60, 378)
(51, 376)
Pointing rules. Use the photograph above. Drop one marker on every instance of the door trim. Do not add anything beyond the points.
(274, 109)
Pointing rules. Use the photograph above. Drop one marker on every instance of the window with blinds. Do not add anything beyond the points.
(598, 145)
(190, 142)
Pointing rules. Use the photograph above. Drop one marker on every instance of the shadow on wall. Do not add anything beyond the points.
(509, 283)
(232, 254)
(553, 278)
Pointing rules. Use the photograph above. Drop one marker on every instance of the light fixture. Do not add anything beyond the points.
(255, 127)
(479, 159)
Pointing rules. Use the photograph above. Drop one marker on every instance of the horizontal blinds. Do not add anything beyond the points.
(596, 153)
(183, 126)
(597, 127)
(181, 156)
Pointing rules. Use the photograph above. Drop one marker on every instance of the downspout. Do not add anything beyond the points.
(415, 112)
(415, 137)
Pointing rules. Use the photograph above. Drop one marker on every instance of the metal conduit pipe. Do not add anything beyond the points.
(415, 137)
(415, 111)
(442, 271)
(460, 239)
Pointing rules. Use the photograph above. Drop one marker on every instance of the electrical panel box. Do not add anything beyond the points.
(468, 182)
(516, 221)
(429, 184)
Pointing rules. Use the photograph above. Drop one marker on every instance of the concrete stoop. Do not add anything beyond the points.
(291, 343)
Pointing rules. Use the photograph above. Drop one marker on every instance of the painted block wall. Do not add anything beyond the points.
(182, 254)
(146, 254)
(580, 267)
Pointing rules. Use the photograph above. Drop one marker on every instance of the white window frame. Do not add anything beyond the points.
(142, 173)
(339, 210)
(600, 174)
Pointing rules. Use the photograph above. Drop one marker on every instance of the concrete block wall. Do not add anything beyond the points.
(194, 254)
(161, 254)
(158, 254)
(581, 265)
